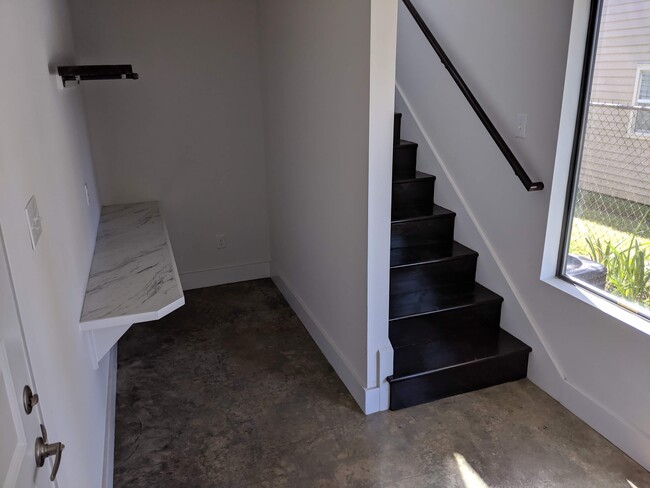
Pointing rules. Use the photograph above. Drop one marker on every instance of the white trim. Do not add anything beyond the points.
(386, 356)
(367, 398)
(623, 317)
(566, 135)
(637, 82)
(484, 237)
(629, 438)
(631, 130)
(109, 434)
(225, 274)
(18, 457)
(383, 46)
(559, 189)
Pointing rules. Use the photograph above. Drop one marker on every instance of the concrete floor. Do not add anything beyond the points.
(230, 391)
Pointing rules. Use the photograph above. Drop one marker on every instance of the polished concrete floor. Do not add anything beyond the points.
(230, 391)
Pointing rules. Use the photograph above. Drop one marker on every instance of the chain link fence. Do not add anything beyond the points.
(614, 184)
(611, 224)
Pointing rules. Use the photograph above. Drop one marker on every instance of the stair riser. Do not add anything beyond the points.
(422, 232)
(397, 129)
(415, 196)
(461, 379)
(439, 354)
(434, 275)
(442, 325)
(404, 161)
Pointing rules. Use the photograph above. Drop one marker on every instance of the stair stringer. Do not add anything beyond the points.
(544, 367)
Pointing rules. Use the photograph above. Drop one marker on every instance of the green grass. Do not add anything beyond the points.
(582, 229)
(613, 212)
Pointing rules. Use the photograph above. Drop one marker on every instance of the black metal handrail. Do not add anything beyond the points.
(492, 130)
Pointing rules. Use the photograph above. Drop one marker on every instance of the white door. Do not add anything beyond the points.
(18, 430)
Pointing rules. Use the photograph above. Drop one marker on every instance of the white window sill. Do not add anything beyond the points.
(624, 317)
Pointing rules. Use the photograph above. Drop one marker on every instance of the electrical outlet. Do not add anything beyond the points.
(33, 221)
(221, 241)
(87, 194)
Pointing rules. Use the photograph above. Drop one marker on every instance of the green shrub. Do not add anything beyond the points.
(628, 267)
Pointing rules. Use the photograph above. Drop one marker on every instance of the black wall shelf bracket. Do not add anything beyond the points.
(77, 74)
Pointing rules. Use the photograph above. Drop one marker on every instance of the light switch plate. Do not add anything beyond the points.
(33, 221)
(522, 129)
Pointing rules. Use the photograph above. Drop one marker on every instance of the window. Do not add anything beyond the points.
(641, 117)
(606, 241)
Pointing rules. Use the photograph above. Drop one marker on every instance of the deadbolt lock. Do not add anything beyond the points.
(29, 399)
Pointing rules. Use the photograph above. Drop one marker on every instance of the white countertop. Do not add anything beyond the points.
(133, 276)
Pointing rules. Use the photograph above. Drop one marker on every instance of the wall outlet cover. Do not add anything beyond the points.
(221, 241)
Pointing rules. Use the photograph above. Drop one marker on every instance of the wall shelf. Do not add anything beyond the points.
(76, 74)
(133, 277)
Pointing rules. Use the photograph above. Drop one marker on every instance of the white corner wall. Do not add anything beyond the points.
(44, 151)
(189, 132)
(318, 95)
(513, 55)
(383, 50)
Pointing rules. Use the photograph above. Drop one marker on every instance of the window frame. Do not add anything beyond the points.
(589, 61)
(636, 101)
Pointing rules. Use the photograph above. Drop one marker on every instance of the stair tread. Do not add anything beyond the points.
(431, 253)
(403, 215)
(430, 301)
(472, 350)
(419, 176)
(404, 143)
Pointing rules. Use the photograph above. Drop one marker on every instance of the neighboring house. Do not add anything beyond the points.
(616, 160)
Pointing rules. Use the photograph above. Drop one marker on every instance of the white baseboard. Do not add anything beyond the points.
(367, 398)
(631, 440)
(109, 434)
(386, 358)
(224, 275)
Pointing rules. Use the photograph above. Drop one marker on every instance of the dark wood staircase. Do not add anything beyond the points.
(444, 327)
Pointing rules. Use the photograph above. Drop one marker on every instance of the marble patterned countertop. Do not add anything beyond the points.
(133, 276)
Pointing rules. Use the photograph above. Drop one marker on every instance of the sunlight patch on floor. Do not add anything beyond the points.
(470, 477)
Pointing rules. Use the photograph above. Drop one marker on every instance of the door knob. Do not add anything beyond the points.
(29, 399)
(43, 450)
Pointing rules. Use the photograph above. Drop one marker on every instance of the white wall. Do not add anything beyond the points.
(189, 132)
(513, 55)
(44, 151)
(383, 44)
(317, 92)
